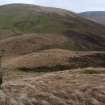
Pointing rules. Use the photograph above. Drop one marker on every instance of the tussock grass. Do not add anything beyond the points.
(60, 88)
(92, 71)
(57, 59)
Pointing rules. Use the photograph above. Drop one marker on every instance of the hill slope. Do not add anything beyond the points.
(60, 88)
(56, 59)
(96, 16)
(23, 25)
(30, 18)
(39, 40)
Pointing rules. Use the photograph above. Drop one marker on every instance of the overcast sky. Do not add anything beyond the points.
(73, 5)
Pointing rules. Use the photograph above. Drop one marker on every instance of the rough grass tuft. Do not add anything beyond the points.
(93, 71)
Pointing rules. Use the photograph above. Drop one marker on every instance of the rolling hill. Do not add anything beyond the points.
(56, 60)
(43, 48)
(96, 16)
(28, 28)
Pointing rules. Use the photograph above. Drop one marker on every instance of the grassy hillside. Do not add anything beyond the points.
(56, 60)
(42, 47)
(27, 28)
(28, 43)
(29, 18)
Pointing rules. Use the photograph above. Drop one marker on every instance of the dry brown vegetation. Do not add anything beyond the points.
(29, 43)
(59, 88)
(57, 59)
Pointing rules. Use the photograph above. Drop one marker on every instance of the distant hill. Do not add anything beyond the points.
(97, 16)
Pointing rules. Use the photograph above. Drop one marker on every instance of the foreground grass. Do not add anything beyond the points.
(57, 88)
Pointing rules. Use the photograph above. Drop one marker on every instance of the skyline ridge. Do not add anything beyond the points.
(73, 5)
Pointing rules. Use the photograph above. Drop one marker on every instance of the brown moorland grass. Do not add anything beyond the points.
(56, 59)
(28, 43)
(59, 88)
